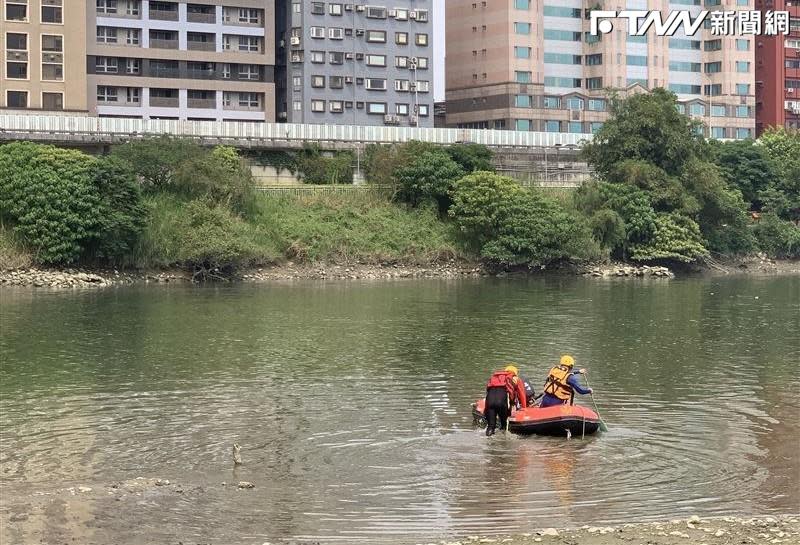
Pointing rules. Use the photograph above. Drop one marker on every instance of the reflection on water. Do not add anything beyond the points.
(351, 403)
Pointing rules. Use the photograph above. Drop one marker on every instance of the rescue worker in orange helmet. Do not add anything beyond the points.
(562, 383)
(503, 391)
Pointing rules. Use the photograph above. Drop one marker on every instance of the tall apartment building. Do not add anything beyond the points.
(778, 71)
(532, 65)
(198, 59)
(355, 63)
(43, 52)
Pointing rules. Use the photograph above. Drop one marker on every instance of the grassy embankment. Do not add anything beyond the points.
(340, 228)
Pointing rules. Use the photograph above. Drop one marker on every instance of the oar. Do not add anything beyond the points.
(603, 426)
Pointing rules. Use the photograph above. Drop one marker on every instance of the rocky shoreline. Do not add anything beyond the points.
(690, 531)
(73, 278)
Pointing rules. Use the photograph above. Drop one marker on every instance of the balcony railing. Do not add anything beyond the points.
(210, 18)
(164, 44)
(164, 73)
(201, 46)
(204, 103)
(164, 102)
(200, 74)
(163, 15)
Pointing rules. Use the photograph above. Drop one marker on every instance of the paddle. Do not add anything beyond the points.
(603, 426)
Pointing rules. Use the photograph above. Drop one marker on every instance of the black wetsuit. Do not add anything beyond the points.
(496, 407)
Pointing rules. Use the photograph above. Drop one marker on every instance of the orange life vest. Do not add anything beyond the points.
(504, 379)
(556, 383)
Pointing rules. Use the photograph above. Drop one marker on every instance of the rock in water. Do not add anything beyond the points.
(237, 456)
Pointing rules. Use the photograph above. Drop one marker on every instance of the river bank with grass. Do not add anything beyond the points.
(160, 204)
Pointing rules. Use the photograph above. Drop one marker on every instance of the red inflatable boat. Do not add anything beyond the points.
(556, 420)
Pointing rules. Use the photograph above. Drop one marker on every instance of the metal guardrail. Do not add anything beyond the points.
(247, 134)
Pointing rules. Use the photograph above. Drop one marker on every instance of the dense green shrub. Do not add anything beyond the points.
(429, 176)
(676, 238)
(122, 216)
(220, 176)
(778, 238)
(213, 241)
(316, 167)
(155, 160)
(471, 157)
(747, 167)
(510, 226)
(782, 194)
(47, 196)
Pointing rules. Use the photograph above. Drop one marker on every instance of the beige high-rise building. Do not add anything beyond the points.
(43, 52)
(532, 65)
(198, 60)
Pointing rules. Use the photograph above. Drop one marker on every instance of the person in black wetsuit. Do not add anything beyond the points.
(503, 391)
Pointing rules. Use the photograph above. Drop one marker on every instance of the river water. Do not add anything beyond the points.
(351, 401)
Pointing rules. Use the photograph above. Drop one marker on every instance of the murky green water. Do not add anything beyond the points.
(351, 403)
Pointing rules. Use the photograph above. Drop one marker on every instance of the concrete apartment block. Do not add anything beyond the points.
(778, 71)
(43, 52)
(198, 59)
(531, 65)
(356, 63)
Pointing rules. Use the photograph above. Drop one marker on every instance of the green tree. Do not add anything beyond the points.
(429, 176)
(746, 166)
(778, 238)
(47, 196)
(122, 214)
(782, 195)
(646, 127)
(471, 157)
(676, 238)
(511, 226)
(155, 160)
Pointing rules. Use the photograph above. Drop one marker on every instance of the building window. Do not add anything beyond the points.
(17, 42)
(421, 40)
(552, 126)
(52, 14)
(742, 89)
(522, 77)
(376, 108)
(335, 33)
(317, 32)
(248, 100)
(376, 60)
(318, 57)
(106, 94)
(375, 84)
(522, 4)
(16, 12)
(106, 7)
(336, 57)
(133, 66)
(522, 101)
(17, 99)
(17, 70)
(374, 12)
(106, 65)
(336, 106)
(249, 16)
(335, 9)
(335, 82)
(249, 43)
(376, 36)
(522, 52)
(52, 101)
(318, 81)
(106, 35)
(401, 109)
(401, 38)
(317, 105)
